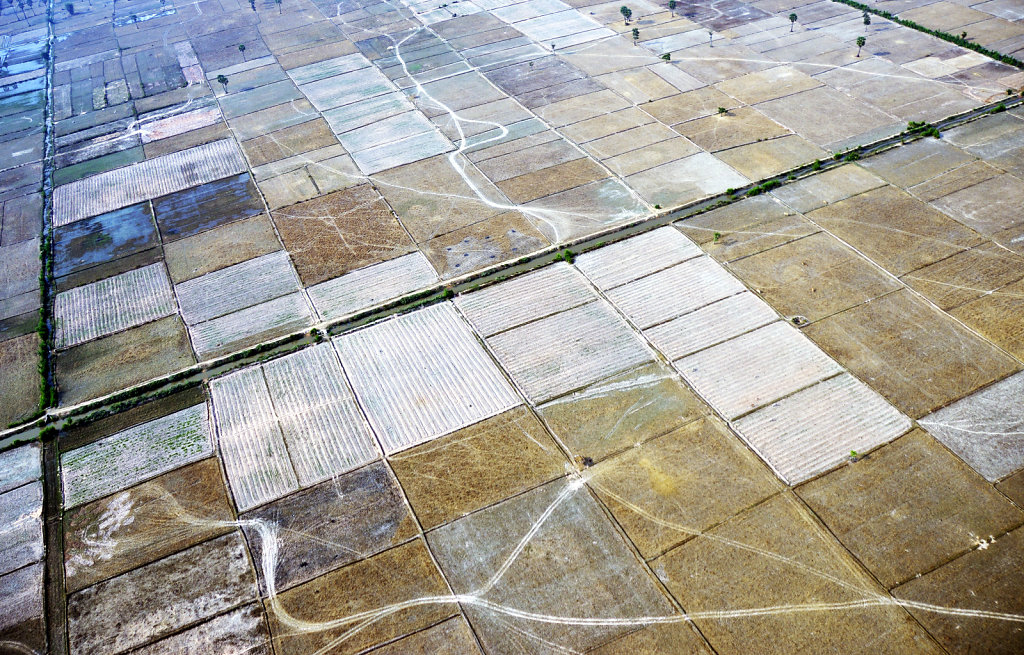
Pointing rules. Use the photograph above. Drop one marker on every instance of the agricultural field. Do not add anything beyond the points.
(499, 326)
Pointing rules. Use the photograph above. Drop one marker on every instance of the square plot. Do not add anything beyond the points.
(796, 564)
(136, 454)
(685, 180)
(627, 260)
(525, 298)
(768, 84)
(917, 162)
(731, 129)
(973, 274)
(489, 243)
(19, 466)
(112, 305)
(847, 119)
(674, 291)
(902, 345)
(756, 368)
(144, 523)
(236, 287)
(772, 156)
(98, 240)
(189, 586)
(621, 412)
(323, 428)
(711, 324)
(569, 350)
(813, 277)
(989, 207)
(895, 230)
(382, 582)
(340, 232)
(672, 488)
(371, 285)
(251, 444)
(325, 527)
(422, 375)
(985, 428)
(996, 317)
(825, 188)
(206, 206)
(442, 478)
(986, 579)
(897, 522)
(550, 551)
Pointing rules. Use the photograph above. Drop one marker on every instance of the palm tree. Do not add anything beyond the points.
(860, 44)
(223, 79)
(624, 10)
(867, 21)
(792, 21)
(672, 7)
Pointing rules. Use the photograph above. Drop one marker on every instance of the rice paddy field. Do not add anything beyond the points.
(499, 326)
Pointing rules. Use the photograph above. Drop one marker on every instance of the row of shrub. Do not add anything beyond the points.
(945, 36)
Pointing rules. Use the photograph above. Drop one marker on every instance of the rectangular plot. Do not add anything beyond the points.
(567, 351)
(674, 291)
(815, 429)
(398, 153)
(236, 287)
(328, 68)
(21, 527)
(146, 180)
(203, 207)
(564, 23)
(628, 260)
(394, 128)
(526, 298)
(251, 325)
(325, 432)
(422, 375)
(179, 123)
(251, 443)
(368, 112)
(135, 455)
(711, 324)
(371, 285)
(251, 100)
(101, 239)
(756, 368)
(347, 88)
(114, 304)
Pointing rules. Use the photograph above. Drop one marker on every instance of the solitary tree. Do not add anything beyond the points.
(860, 44)
(867, 21)
(241, 47)
(636, 35)
(223, 79)
(792, 21)
(672, 7)
(711, 38)
(70, 7)
(278, 6)
(624, 10)
(252, 3)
